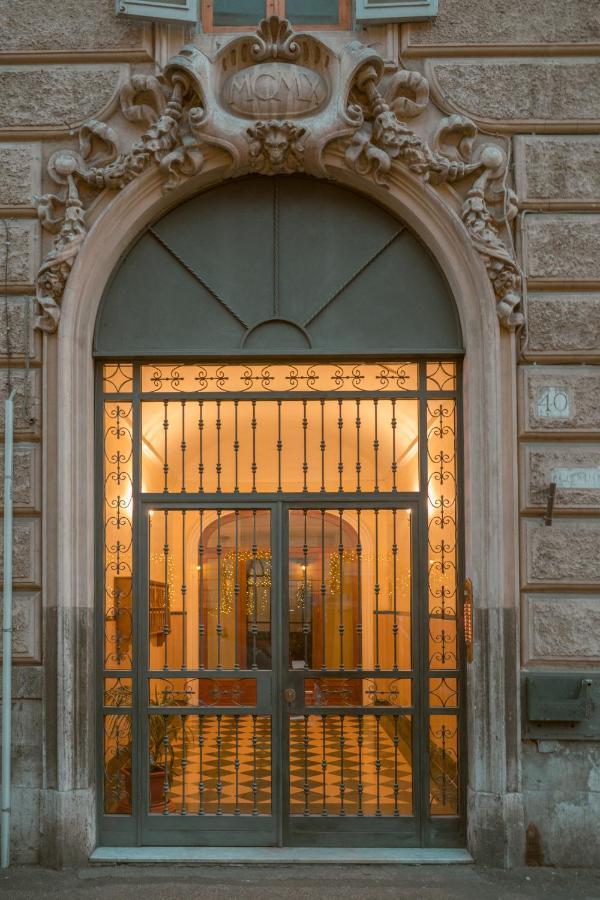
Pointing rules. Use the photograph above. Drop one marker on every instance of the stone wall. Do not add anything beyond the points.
(531, 74)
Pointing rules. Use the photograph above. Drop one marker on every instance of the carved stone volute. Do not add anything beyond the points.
(278, 102)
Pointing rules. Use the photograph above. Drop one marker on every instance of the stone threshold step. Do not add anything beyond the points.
(285, 856)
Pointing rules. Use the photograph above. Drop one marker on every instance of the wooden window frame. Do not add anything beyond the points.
(277, 8)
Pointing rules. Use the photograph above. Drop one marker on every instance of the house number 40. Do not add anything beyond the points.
(553, 403)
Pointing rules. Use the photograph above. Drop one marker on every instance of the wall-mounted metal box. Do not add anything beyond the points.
(561, 705)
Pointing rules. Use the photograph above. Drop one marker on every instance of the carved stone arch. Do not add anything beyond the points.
(490, 500)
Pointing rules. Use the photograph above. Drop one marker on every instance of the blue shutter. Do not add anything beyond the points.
(160, 10)
(395, 10)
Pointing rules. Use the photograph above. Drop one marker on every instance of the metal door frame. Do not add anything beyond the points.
(439, 831)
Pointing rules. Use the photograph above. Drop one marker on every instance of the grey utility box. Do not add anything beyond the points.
(561, 705)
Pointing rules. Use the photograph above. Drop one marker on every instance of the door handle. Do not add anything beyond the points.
(289, 695)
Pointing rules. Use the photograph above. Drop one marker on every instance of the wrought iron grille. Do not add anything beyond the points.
(360, 459)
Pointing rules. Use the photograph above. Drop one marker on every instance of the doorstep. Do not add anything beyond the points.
(285, 856)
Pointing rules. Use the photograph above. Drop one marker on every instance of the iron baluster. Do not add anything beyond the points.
(166, 761)
(376, 446)
(254, 465)
(341, 587)
(279, 447)
(219, 467)
(200, 571)
(360, 788)
(183, 447)
(166, 619)
(342, 783)
(305, 625)
(324, 763)
(201, 784)
(183, 591)
(340, 424)
(378, 764)
(359, 622)
(236, 766)
(306, 787)
(201, 448)
(184, 764)
(219, 742)
(377, 590)
(394, 424)
(305, 449)
(323, 446)
(219, 628)
(323, 593)
(396, 785)
(395, 586)
(166, 447)
(358, 463)
(236, 445)
(254, 591)
(254, 769)
(236, 589)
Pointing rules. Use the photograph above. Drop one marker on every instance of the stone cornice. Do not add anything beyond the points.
(275, 102)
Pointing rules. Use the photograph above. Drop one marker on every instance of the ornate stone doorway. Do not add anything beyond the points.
(280, 612)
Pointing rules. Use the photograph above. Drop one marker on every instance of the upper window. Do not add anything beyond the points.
(242, 15)
(230, 15)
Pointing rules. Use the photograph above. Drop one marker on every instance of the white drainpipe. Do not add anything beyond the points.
(7, 629)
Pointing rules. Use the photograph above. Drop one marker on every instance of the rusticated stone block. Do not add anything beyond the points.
(560, 399)
(570, 766)
(20, 174)
(26, 552)
(559, 167)
(50, 96)
(18, 340)
(25, 825)
(26, 743)
(27, 627)
(567, 552)
(575, 469)
(506, 22)
(27, 410)
(563, 627)
(23, 254)
(563, 246)
(517, 89)
(564, 323)
(25, 477)
(75, 25)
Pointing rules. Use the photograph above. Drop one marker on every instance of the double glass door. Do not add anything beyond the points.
(279, 677)
(281, 644)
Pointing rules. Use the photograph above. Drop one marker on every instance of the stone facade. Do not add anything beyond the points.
(531, 76)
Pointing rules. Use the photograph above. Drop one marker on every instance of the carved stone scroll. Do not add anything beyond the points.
(275, 101)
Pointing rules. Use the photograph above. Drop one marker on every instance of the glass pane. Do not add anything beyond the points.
(118, 511)
(210, 589)
(350, 589)
(202, 691)
(441, 376)
(320, 445)
(312, 12)
(118, 692)
(209, 765)
(117, 378)
(443, 765)
(442, 549)
(443, 692)
(117, 764)
(357, 692)
(237, 12)
(351, 765)
(388, 377)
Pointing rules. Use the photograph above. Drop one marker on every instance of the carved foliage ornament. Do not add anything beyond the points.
(275, 102)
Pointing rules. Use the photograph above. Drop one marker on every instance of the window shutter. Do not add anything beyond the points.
(395, 10)
(160, 10)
